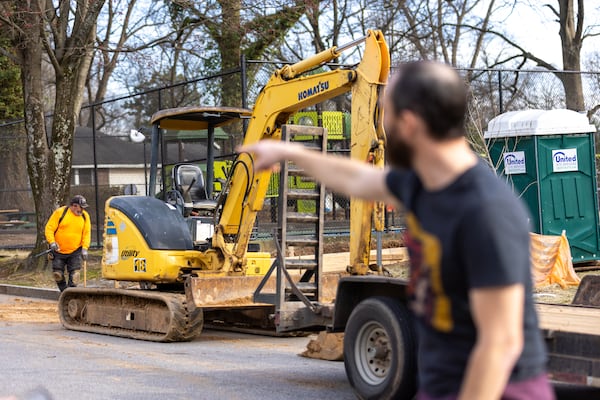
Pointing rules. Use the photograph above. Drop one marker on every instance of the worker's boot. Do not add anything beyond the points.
(59, 277)
(73, 278)
(62, 285)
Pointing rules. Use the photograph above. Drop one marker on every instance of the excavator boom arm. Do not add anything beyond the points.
(286, 93)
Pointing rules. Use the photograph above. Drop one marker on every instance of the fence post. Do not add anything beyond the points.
(98, 234)
(244, 82)
(145, 169)
(500, 99)
(153, 160)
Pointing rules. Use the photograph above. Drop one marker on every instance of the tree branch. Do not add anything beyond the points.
(60, 40)
(525, 53)
(484, 28)
(580, 17)
(593, 111)
(15, 60)
(51, 18)
(554, 11)
(279, 21)
(412, 26)
(153, 43)
(8, 22)
(51, 54)
(588, 35)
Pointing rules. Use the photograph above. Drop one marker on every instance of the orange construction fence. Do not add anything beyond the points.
(551, 261)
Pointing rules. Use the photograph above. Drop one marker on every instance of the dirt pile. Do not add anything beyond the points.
(327, 346)
(20, 310)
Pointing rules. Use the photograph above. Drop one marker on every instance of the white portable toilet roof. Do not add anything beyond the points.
(538, 122)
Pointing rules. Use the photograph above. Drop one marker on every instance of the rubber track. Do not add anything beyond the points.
(184, 323)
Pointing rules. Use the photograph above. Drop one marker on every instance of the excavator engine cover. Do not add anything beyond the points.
(135, 250)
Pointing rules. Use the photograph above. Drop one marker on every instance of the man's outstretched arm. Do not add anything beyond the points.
(341, 175)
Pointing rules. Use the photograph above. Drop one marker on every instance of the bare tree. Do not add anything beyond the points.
(239, 27)
(593, 64)
(570, 15)
(441, 30)
(62, 31)
(571, 37)
(128, 27)
(12, 140)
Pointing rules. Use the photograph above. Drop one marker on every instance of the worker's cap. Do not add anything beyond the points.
(80, 200)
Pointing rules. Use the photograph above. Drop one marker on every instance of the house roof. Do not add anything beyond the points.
(115, 150)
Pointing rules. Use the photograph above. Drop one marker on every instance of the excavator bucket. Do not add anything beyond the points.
(588, 292)
(217, 292)
(228, 302)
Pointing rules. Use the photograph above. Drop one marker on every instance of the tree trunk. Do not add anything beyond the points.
(571, 37)
(573, 90)
(230, 43)
(49, 156)
(13, 180)
(39, 156)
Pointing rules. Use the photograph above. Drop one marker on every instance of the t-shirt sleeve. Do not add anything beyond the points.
(495, 245)
(399, 184)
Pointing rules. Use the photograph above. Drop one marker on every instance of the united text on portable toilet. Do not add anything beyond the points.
(548, 157)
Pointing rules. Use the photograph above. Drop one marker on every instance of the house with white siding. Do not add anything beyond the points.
(121, 162)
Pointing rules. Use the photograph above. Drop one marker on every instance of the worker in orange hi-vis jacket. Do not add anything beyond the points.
(68, 231)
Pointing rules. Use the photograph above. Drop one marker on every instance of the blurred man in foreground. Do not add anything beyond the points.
(468, 240)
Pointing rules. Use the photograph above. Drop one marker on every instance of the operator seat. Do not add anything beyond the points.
(189, 181)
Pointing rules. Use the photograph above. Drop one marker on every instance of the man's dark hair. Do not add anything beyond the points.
(436, 93)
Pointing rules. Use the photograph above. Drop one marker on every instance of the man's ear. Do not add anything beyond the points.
(414, 126)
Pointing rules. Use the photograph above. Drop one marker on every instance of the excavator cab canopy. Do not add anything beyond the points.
(198, 118)
(204, 120)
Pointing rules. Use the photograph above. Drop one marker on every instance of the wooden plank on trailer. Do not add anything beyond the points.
(569, 318)
(337, 262)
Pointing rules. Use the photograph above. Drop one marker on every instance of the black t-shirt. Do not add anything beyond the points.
(472, 234)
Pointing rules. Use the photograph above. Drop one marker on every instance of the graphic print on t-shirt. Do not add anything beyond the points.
(428, 298)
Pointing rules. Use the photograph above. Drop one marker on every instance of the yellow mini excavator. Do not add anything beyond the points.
(190, 251)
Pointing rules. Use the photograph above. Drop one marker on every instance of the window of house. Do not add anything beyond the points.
(82, 176)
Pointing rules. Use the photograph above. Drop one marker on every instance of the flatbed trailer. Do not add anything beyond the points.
(572, 335)
(380, 339)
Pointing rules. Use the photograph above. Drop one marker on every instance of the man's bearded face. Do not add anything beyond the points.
(398, 153)
(76, 209)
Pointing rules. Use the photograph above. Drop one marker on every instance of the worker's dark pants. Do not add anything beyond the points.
(72, 263)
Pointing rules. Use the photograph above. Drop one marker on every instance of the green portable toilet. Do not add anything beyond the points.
(548, 158)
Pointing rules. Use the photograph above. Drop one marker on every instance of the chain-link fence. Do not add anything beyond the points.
(494, 92)
(108, 159)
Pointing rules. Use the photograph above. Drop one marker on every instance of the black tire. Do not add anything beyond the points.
(380, 350)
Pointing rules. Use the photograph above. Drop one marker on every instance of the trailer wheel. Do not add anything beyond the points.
(380, 350)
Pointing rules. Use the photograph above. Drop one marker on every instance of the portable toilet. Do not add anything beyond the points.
(548, 158)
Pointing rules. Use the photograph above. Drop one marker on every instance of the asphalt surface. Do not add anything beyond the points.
(218, 365)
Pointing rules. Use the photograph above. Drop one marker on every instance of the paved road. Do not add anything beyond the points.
(218, 365)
